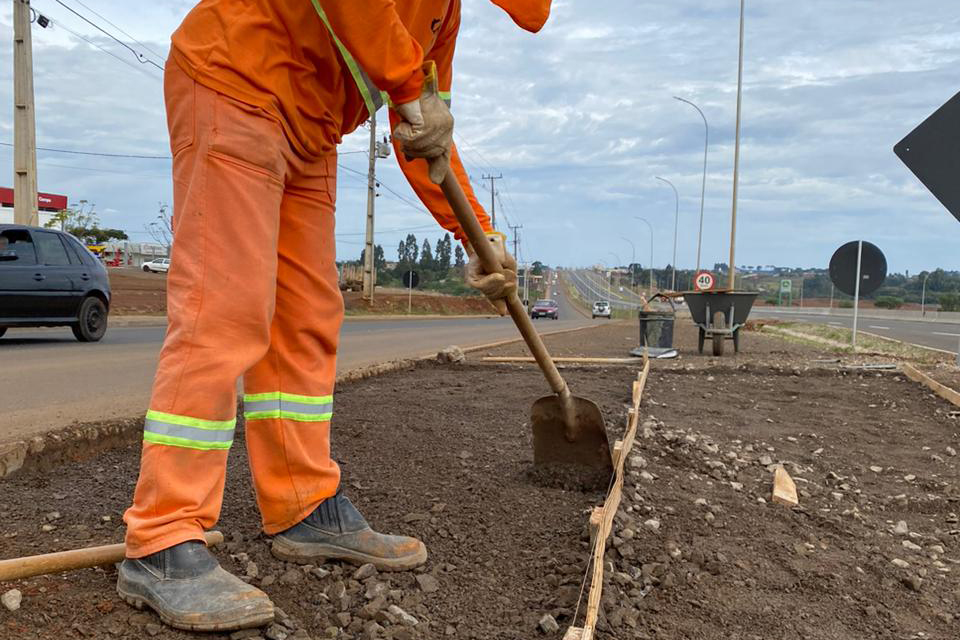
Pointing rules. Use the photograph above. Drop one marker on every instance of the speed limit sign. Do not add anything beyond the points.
(704, 281)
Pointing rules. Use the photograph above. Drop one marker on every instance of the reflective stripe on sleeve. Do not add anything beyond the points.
(446, 97)
(184, 431)
(372, 96)
(287, 406)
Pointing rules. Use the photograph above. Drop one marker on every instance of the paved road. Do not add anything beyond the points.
(49, 380)
(938, 335)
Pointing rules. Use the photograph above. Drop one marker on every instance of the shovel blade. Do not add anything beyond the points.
(588, 447)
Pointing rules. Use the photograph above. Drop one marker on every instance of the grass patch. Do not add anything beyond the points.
(865, 343)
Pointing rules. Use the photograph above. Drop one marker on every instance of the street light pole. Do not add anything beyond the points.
(923, 297)
(703, 186)
(676, 227)
(633, 258)
(649, 226)
(736, 162)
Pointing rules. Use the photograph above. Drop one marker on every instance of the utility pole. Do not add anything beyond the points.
(24, 123)
(493, 199)
(369, 271)
(526, 272)
(516, 237)
(736, 164)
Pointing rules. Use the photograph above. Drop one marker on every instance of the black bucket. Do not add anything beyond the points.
(656, 329)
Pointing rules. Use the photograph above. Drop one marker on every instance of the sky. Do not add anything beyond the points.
(580, 120)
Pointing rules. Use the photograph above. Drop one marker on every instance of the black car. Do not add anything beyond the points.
(48, 278)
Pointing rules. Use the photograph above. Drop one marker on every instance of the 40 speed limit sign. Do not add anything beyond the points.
(704, 281)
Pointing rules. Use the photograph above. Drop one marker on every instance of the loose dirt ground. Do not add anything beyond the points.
(136, 292)
(698, 550)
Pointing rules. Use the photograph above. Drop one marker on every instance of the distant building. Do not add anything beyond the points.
(48, 204)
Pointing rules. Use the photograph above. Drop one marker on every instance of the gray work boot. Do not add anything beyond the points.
(187, 588)
(336, 530)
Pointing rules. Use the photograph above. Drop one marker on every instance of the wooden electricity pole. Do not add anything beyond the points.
(493, 199)
(369, 265)
(24, 124)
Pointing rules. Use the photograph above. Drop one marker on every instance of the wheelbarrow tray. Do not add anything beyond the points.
(741, 302)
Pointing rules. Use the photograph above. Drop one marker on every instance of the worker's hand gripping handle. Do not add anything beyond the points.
(478, 241)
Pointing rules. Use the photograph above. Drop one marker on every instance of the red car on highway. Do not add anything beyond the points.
(545, 309)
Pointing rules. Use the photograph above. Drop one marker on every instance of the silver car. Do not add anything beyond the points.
(601, 309)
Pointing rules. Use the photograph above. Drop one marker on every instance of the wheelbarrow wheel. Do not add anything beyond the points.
(702, 337)
(719, 322)
(736, 341)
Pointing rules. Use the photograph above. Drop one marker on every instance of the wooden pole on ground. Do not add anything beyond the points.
(27, 567)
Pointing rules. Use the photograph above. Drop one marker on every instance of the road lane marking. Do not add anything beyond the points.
(838, 324)
(873, 326)
(952, 335)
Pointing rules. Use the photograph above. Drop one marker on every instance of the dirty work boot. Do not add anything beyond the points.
(187, 588)
(336, 530)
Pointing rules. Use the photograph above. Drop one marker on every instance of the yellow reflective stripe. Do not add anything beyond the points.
(292, 397)
(446, 96)
(279, 414)
(186, 443)
(372, 96)
(187, 421)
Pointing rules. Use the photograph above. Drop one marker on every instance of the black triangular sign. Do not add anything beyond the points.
(932, 152)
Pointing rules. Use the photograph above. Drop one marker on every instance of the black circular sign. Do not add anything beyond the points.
(409, 276)
(843, 268)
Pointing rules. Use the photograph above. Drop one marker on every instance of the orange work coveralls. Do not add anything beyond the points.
(258, 96)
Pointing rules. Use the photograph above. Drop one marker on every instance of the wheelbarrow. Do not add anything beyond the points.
(720, 315)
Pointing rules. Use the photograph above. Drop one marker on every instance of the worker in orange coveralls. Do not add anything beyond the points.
(259, 93)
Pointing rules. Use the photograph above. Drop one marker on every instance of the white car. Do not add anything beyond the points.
(601, 309)
(159, 265)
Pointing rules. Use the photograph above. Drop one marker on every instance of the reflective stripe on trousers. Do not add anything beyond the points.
(188, 432)
(287, 406)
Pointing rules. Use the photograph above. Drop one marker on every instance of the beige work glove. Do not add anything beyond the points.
(427, 129)
(495, 286)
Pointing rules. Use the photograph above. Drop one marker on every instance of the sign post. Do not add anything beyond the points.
(786, 289)
(410, 280)
(704, 281)
(856, 292)
(858, 268)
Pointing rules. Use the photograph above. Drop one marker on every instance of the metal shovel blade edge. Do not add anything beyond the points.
(589, 447)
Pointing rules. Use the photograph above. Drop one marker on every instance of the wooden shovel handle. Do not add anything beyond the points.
(17, 568)
(478, 241)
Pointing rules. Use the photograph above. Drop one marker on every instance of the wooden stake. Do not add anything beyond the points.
(941, 390)
(784, 488)
(617, 451)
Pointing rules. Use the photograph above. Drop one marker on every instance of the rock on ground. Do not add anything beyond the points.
(11, 599)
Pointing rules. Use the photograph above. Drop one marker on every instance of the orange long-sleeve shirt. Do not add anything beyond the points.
(279, 56)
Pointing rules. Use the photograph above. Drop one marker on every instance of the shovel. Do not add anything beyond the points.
(566, 429)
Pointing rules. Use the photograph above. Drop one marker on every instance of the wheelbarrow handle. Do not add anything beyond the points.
(478, 241)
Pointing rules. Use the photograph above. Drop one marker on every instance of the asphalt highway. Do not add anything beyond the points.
(50, 380)
(938, 335)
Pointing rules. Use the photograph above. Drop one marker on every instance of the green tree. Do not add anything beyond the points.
(888, 302)
(427, 263)
(536, 268)
(407, 252)
(949, 301)
(444, 251)
(458, 257)
(85, 225)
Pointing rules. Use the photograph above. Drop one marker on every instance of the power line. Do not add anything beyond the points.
(106, 51)
(140, 57)
(122, 173)
(94, 153)
(385, 186)
(102, 17)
